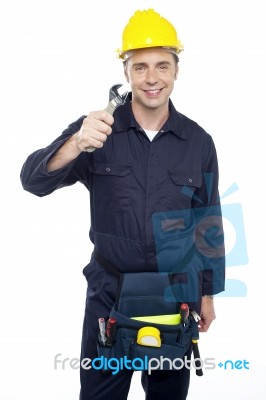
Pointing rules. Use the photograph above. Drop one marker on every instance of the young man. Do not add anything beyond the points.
(144, 160)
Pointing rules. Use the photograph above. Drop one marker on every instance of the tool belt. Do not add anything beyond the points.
(138, 326)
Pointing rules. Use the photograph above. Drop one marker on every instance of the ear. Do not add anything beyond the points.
(126, 73)
(176, 71)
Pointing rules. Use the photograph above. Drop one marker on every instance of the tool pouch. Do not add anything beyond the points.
(143, 294)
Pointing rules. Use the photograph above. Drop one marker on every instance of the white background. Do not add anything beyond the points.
(57, 63)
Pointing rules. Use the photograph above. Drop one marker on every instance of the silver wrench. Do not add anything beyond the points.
(117, 97)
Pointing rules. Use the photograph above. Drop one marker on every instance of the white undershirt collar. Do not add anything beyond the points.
(151, 134)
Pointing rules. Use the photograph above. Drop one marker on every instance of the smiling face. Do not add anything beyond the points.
(151, 74)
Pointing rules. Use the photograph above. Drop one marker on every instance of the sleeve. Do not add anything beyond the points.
(209, 235)
(34, 176)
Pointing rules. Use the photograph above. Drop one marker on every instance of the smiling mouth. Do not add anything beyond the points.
(153, 92)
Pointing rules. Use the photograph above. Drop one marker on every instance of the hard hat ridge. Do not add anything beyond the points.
(147, 29)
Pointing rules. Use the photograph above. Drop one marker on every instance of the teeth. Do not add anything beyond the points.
(153, 91)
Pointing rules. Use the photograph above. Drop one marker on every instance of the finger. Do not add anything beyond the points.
(204, 325)
(102, 115)
(97, 144)
(92, 124)
(96, 140)
(96, 135)
(101, 126)
(200, 326)
(90, 139)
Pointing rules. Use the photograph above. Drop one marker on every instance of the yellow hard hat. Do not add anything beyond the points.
(147, 29)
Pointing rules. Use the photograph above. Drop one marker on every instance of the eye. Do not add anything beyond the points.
(139, 67)
(163, 66)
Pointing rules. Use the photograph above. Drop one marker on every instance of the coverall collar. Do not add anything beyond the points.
(127, 120)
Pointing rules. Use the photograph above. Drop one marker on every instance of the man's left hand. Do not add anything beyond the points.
(207, 314)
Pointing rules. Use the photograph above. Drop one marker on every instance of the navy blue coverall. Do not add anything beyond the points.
(148, 201)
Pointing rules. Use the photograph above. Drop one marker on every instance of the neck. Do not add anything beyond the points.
(150, 118)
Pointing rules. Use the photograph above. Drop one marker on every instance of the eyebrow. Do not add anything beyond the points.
(142, 64)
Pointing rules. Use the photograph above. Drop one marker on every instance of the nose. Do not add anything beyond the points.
(151, 76)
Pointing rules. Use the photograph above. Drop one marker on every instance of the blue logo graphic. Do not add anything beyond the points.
(230, 364)
(190, 243)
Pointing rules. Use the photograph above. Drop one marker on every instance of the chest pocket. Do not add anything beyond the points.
(110, 186)
(186, 178)
(182, 185)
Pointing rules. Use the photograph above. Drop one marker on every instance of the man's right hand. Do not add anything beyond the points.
(95, 129)
(94, 132)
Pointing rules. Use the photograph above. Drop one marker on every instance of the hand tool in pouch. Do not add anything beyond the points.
(110, 331)
(195, 348)
(101, 322)
(117, 97)
(184, 313)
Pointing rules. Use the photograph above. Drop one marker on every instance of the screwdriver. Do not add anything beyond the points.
(184, 313)
(110, 331)
(101, 322)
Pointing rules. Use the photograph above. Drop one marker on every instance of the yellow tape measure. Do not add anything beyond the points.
(149, 336)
